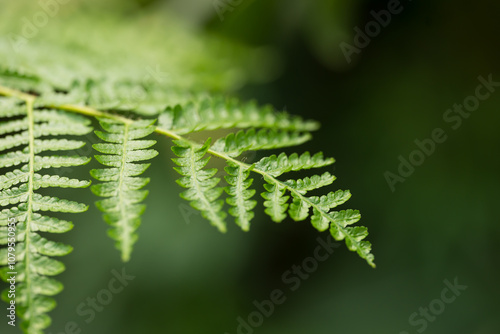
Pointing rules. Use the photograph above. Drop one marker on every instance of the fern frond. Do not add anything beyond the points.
(20, 201)
(123, 152)
(275, 200)
(331, 200)
(310, 183)
(278, 165)
(234, 144)
(220, 113)
(48, 85)
(239, 195)
(322, 218)
(122, 186)
(203, 193)
(299, 209)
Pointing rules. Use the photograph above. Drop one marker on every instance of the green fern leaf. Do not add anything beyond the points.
(278, 165)
(122, 186)
(50, 224)
(310, 183)
(332, 200)
(202, 192)
(322, 218)
(275, 201)
(239, 195)
(275, 195)
(62, 85)
(204, 195)
(220, 113)
(21, 203)
(235, 144)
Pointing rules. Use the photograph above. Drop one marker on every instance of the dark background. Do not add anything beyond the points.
(439, 224)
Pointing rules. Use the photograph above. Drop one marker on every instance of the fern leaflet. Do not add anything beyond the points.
(202, 192)
(121, 182)
(239, 195)
(24, 141)
(221, 113)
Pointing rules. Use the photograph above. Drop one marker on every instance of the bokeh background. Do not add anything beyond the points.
(440, 224)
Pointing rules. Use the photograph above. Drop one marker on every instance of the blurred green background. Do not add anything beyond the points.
(437, 225)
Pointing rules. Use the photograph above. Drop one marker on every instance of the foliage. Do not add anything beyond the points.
(53, 90)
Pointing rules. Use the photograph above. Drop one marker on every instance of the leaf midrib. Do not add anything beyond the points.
(29, 109)
(125, 226)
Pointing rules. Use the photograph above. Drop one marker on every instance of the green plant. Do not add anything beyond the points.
(45, 105)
